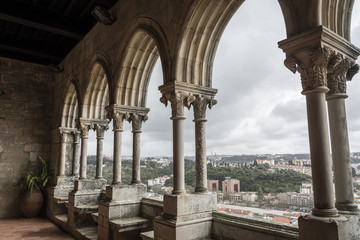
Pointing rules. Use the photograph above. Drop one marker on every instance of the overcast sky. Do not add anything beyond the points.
(260, 107)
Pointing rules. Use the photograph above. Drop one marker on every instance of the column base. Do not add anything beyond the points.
(325, 213)
(347, 208)
(185, 217)
(336, 228)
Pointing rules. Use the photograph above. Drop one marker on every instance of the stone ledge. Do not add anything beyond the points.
(277, 229)
(129, 224)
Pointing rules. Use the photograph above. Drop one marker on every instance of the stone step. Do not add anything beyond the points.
(95, 217)
(88, 233)
(129, 224)
(61, 199)
(62, 217)
(147, 235)
(150, 236)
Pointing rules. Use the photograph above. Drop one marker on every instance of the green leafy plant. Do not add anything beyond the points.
(37, 178)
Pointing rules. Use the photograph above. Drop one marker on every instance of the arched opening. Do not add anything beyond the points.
(96, 95)
(70, 111)
(260, 115)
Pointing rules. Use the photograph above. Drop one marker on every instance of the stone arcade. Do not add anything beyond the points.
(104, 79)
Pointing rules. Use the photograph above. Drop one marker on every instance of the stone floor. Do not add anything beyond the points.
(31, 228)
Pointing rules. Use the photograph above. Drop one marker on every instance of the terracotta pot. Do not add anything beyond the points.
(31, 204)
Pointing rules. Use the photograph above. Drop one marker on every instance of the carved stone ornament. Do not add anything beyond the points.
(352, 72)
(177, 101)
(63, 136)
(100, 130)
(200, 105)
(136, 121)
(84, 130)
(337, 79)
(316, 76)
(118, 120)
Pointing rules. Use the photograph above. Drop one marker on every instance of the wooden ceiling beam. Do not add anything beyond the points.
(40, 26)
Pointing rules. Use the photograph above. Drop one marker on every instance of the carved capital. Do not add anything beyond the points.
(100, 130)
(315, 76)
(177, 101)
(118, 119)
(84, 129)
(337, 79)
(136, 121)
(63, 136)
(200, 104)
(354, 69)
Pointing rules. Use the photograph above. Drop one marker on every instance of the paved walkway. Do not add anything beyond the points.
(31, 228)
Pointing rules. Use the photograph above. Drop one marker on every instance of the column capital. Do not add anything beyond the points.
(136, 120)
(118, 120)
(100, 130)
(200, 103)
(63, 134)
(178, 101)
(182, 94)
(314, 54)
(337, 76)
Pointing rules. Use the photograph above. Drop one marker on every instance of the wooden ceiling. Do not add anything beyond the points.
(44, 31)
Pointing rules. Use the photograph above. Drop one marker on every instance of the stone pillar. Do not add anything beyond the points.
(315, 55)
(339, 137)
(118, 119)
(177, 106)
(99, 150)
(76, 155)
(313, 70)
(136, 130)
(63, 137)
(84, 128)
(200, 104)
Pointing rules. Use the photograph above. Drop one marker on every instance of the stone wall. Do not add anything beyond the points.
(25, 118)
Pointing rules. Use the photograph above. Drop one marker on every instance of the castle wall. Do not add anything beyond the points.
(25, 118)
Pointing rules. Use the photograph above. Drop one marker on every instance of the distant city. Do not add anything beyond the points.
(239, 195)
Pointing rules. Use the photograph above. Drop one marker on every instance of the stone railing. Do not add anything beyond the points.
(229, 226)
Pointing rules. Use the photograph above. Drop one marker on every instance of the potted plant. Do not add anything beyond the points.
(32, 185)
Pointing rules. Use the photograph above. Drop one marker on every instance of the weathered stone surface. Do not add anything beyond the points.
(24, 125)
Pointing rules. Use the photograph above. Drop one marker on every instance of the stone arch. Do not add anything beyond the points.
(144, 46)
(70, 110)
(202, 29)
(333, 14)
(97, 95)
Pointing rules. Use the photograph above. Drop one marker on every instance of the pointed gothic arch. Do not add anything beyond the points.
(70, 108)
(202, 29)
(335, 15)
(146, 43)
(96, 95)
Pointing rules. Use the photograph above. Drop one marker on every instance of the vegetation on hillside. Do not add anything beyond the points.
(252, 178)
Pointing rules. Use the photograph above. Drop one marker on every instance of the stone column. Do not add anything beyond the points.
(177, 106)
(136, 121)
(76, 155)
(313, 70)
(339, 137)
(200, 104)
(118, 119)
(99, 150)
(63, 137)
(84, 141)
